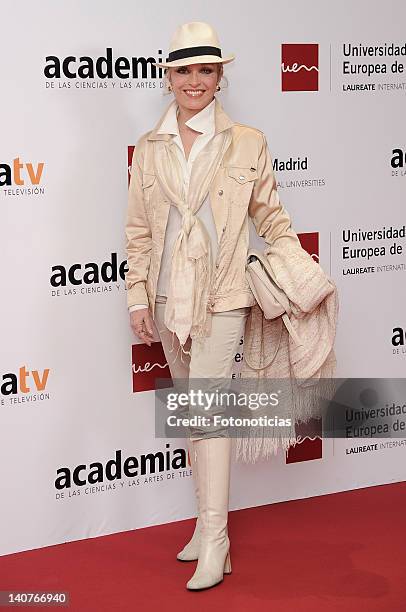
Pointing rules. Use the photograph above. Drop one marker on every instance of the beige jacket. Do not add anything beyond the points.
(244, 185)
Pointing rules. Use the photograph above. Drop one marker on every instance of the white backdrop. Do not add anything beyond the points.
(67, 352)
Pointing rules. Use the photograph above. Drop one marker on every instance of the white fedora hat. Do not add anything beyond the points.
(194, 43)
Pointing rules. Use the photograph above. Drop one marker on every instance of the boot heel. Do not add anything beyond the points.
(227, 564)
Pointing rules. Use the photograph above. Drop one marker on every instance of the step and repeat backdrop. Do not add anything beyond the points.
(326, 83)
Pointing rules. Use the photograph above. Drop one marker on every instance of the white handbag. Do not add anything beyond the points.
(272, 300)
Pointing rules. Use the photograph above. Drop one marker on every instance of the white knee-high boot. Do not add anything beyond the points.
(213, 456)
(190, 552)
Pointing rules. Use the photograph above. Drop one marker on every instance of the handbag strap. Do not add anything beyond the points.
(291, 330)
(271, 359)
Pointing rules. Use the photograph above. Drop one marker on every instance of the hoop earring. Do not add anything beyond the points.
(218, 88)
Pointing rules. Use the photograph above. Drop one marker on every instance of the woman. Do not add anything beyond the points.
(195, 179)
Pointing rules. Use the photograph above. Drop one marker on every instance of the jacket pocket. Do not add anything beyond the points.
(148, 181)
(241, 183)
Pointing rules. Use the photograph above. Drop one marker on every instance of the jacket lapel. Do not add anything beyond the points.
(222, 122)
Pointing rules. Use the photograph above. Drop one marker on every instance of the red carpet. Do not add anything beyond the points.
(339, 552)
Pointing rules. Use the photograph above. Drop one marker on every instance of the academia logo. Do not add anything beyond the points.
(87, 278)
(398, 341)
(104, 71)
(120, 472)
(300, 67)
(398, 162)
(19, 178)
(24, 386)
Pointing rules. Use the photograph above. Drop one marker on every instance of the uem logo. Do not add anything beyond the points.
(148, 363)
(300, 67)
(310, 443)
(310, 243)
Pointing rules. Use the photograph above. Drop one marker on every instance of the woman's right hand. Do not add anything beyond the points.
(141, 324)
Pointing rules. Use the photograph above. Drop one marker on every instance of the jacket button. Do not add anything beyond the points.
(241, 177)
(220, 192)
(217, 265)
(212, 304)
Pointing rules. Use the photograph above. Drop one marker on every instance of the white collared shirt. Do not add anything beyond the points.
(204, 122)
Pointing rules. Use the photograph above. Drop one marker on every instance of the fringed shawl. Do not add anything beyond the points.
(308, 368)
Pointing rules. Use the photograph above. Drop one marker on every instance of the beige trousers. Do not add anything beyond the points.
(212, 358)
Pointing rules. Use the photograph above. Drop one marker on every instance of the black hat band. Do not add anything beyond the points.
(192, 51)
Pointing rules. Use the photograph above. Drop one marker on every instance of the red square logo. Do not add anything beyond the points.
(130, 151)
(147, 364)
(300, 67)
(310, 243)
(310, 444)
